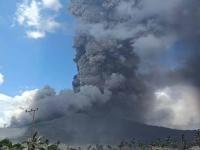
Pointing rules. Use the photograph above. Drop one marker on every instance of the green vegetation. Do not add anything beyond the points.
(36, 143)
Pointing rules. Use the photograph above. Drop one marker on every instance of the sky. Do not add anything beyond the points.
(36, 41)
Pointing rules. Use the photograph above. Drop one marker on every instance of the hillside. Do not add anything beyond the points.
(81, 129)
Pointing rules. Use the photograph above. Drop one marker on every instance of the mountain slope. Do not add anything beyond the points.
(81, 129)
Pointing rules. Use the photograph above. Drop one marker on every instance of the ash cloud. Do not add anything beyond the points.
(137, 40)
(126, 51)
(52, 105)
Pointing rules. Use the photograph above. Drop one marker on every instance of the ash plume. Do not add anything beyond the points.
(134, 57)
(132, 44)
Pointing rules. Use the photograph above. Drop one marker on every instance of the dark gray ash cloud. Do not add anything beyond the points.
(126, 50)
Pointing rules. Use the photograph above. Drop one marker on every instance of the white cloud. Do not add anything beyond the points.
(181, 102)
(49, 25)
(52, 4)
(1, 79)
(35, 17)
(35, 34)
(10, 106)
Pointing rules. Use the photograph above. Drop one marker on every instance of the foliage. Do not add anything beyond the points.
(36, 143)
(17, 146)
(54, 146)
(197, 138)
(6, 142)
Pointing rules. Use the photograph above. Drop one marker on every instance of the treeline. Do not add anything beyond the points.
(36, 143)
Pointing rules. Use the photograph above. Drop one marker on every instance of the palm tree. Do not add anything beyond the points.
(155, 143)
(140, 144)
(120, 146)
(174, 144)
(89, 147)
(183, 139)
(197, 138)
(143, 146)
(123, 143)
(126, 144)
(47, 142)
(109, 147)
(101, 147)
(169, 140)
(130, 145)
(34, 143)
(159, 143)
(133, 142)
(152, 144)
(55, 146)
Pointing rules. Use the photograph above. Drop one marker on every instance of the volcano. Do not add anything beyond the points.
(83, 129)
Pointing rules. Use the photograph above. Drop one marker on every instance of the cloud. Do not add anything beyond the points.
(49, 103)
(52, 4)
(36, 18)
(1, 79)
(182, 103)
(10, 106)
(35, 34)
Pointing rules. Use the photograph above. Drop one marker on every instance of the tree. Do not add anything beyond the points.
(133, 143)
(184, 141)
(174, 144)
(34, 143)
(120, 146)
(139, 144)
(6, 142)
(142, 146)
(152, 143)
(197, 138)
(129, 146)
(47, 142)
(5, 147)
(126, 144)
(109, 147)
(89, 147)
(159, 142)
(17, 147)
(169, 140)
(55, 146)
(99, 147)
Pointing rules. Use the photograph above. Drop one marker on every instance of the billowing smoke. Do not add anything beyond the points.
(135, 48)
(129, 53)
(52, 105)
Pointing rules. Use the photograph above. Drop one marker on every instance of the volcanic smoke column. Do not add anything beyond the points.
(104, 61)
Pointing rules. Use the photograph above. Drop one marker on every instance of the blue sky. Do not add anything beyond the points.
(36, 38)
(32, 62)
